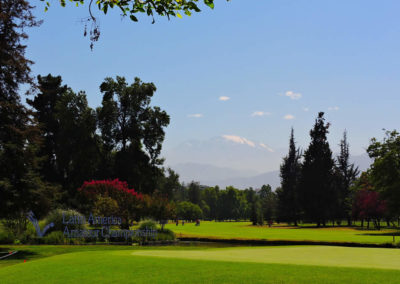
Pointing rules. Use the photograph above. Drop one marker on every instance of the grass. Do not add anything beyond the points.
(244, 230)
(201, 265)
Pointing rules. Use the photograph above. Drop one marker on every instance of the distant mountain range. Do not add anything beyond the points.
(233, 160)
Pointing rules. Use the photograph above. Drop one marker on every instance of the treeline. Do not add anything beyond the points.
(194, 201)
(316, 187)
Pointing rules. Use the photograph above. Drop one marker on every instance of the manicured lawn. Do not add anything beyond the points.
(244, 230)
(223, 265)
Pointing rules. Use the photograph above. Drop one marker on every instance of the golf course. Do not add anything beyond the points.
(245, 231)
(201, 262)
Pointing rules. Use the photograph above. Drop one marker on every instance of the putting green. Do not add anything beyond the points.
(233, 265)
(303, 255)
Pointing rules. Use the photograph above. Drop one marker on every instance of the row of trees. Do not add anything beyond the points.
(212, 203)
(315, 186)
(318, 188)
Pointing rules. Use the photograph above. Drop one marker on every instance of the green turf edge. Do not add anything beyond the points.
(116, 266)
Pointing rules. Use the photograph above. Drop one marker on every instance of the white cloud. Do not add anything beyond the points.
(288, 117)
(260, 113)
(306, 108)
(293, 95)
(266, 147)
(333, 108)
(196, 115)
(239, 140)
(224, 98)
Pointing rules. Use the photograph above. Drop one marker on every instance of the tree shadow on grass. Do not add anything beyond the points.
(21, 254)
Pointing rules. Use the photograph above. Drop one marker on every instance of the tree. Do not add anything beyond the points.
(16, 16)
(229, 204)
(188, 211)
(367, 203)
(71, 146)
(167, 8)
(345, 174)
(44, 107)
(256, 214)
(268, 201)
(194, 193)
(132, 132)
(288, 196)
(169, 184)
(317, 192)
(385, 170)
(21, 186)
(210, 196)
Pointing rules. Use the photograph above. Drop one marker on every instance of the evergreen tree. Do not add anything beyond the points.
(345, 174)
(317, 191)
(288, 195)
(71, 145)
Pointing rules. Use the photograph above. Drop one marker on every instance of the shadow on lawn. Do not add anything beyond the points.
(21, 254)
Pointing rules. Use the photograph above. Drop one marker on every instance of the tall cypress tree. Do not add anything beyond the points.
(288, 206)
(345, 174)
(317, 191)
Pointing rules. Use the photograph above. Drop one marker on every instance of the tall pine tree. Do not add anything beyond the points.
(317, 191)
(345, 174)
(288, 196)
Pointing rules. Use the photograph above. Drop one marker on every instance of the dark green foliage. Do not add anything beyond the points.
(54, 238)
(288, 195)
(385, 170)
(194, 192)
(269, 201)
(21, 187)
(317, 192)
(188, 211)
(58, 215)
(229, 204)
(132, 132)
(147, 224)
(6, 237)
(345, 175)
(16, 16)
(71, 145)
(210, 197)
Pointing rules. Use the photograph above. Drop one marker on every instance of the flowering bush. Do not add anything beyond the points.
(368, 205)
(129, 202)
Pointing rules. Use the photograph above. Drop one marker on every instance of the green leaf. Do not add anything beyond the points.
(133, 18)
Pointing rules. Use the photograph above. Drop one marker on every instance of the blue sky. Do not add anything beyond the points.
(272, 59)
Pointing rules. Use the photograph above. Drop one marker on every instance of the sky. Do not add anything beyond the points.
(248, 69)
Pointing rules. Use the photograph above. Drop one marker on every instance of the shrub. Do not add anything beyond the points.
(149, 224)
(54, 238)
(6, 237)
(127, 201)
(165, 235)
(56, 217)
(29, 236)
